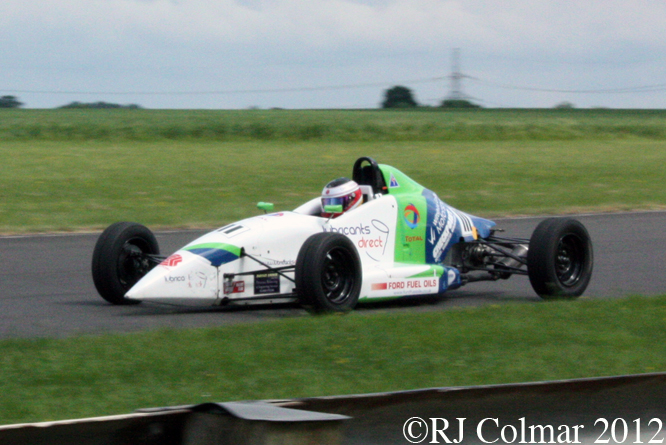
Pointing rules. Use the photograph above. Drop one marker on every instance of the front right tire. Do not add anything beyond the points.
(560, 259)
(328, 273)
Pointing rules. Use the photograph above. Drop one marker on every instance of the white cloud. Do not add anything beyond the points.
(332, 23)
(199, 44)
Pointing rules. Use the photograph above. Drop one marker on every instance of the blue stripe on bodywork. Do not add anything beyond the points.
(217, 257)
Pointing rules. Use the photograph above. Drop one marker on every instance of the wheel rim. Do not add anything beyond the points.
(337, 276)
(133, 263)
(570, 260)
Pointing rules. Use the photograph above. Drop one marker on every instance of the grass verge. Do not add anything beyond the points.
(49, 379)
(50, 186)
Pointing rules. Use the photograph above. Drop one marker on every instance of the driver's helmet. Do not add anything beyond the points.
(341, 191)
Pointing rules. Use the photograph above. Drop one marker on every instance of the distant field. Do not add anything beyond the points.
(330, 125)
(83, 169)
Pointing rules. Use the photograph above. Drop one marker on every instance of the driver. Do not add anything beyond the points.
(341, 191)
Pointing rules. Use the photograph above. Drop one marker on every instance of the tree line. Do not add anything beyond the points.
(99, 105)
(13, 102)
(10, 102)
(402, 97)
(395, 97)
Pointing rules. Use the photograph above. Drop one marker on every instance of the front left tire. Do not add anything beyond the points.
(121, 258)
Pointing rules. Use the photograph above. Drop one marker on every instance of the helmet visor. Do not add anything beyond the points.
(339, 201)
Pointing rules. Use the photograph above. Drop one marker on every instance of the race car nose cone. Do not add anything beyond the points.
(183, 276)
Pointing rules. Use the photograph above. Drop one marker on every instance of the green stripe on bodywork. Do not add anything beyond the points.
(220, 246)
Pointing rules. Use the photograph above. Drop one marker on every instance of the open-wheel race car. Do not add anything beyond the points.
(400, 241)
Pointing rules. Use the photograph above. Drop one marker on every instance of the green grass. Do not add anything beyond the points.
(366, 351)
(83, 169)
(59, 186)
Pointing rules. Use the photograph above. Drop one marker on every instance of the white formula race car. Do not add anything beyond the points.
(403, 241)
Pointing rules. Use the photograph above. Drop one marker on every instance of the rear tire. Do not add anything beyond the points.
(560, 259)
(328, 273)
(120, 260)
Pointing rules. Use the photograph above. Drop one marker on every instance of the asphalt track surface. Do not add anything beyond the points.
(46, 287)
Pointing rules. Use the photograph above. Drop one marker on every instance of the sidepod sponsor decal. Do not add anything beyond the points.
(234, 287)
(412, 216)
(442, 225)
(406, 286)
(277, 263)
(193, 280)
(266, 283)
(216, 253)
(393, 183)
(358, 229)
(373, 237)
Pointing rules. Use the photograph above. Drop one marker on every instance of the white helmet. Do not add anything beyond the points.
(341, 191)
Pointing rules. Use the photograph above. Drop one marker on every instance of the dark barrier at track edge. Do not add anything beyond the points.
(572, 406)
(623, 409)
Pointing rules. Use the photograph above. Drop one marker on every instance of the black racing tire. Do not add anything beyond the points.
(560, 259)
(119, 260)
(328, 273)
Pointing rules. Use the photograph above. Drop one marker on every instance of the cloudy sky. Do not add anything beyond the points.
(332, 53)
